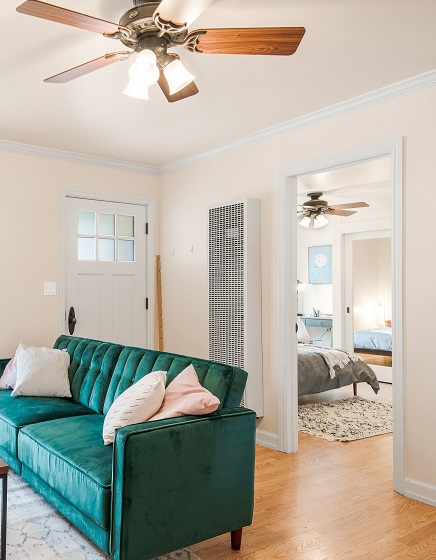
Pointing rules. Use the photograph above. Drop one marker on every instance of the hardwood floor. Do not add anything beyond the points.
(331, 501)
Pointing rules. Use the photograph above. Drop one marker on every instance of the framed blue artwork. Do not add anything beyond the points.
(320, 264)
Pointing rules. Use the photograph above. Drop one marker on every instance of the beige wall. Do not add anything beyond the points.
(30, 245)
(30, 238)
(253, 171)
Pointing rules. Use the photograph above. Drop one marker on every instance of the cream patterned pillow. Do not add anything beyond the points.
(42, 372)
(136, 404)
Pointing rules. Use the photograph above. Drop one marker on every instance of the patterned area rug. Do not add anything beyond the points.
(37, 531)
(345, 419)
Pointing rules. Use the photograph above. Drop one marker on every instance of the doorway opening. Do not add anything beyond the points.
(288, 380)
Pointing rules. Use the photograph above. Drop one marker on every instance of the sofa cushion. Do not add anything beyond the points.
(69, 456)
(227, 383)
(91, 368)
(18, 412)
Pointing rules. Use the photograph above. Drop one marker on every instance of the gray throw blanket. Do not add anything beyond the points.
(334, 357)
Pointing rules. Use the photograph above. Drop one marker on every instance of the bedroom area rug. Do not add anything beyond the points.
(37, 531)
(345, 419)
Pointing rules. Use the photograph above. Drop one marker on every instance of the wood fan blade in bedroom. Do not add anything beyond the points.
(315, 206)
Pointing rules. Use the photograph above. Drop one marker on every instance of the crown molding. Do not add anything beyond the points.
(76, 157)
(387, 93)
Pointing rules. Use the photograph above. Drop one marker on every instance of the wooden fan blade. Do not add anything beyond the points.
(182, 12)
(340, 212)
(266, 40)
(68, 17)
(87, 67)
(190, 89)
(350, 205)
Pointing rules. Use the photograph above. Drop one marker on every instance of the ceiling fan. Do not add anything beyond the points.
(151, 29)
(315, 208)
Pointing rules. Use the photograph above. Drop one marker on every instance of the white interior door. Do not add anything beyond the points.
(105, 246)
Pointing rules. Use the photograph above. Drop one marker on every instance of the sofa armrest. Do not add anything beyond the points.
(3, 363)
(180, 481)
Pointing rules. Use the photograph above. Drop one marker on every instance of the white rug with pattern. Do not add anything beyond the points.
(345, 419)
(37, 531)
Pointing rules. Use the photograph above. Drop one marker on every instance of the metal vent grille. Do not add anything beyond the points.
(226, 284)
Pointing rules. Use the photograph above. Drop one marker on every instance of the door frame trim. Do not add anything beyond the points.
(287, 304)
(150, 272)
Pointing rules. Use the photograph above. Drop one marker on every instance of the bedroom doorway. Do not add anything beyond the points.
(368, 299)
(288, 380)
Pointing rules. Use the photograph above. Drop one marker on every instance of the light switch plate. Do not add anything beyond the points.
(49, 288)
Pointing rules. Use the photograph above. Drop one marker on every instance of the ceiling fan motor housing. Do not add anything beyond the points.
(141, 21)
(315, 202)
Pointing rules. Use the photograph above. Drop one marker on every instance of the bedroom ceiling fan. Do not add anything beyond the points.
(150, 29)
(315, 209)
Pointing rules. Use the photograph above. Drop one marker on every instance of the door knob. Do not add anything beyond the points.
(71, 320)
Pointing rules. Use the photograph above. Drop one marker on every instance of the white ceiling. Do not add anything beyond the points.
(351, 47)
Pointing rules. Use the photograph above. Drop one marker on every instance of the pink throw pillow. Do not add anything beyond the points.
(9, 378)
(185, 395)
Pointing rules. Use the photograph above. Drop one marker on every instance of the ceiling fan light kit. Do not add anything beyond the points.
(150, 29)
(314, 210)
(319, 221)
(177, 76)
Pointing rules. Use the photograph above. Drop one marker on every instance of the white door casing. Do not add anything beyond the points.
(113, 299)
(286, 302)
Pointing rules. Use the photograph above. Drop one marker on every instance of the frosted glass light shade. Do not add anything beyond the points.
(135, 89)
(305, 222)
(177, 76)
(320, 221)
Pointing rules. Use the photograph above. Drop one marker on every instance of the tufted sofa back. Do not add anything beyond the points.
(100, 371)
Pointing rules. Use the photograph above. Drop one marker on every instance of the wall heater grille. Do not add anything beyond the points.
(235, 293)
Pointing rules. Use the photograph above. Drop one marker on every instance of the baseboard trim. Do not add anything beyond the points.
(267, 439)
(420, 491)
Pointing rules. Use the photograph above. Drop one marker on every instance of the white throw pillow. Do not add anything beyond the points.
(9, 377)
(42, 372)
(136, 404)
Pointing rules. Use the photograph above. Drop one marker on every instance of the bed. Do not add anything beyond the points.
(374, 341)
(315, 375)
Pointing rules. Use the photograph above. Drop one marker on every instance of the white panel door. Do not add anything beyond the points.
(106, 270)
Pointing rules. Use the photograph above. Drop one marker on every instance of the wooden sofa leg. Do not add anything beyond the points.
(355, 389)
(236, 538)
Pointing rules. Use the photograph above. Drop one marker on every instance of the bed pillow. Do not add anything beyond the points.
(302, 334)
(136, 404)
(42, 372)
(185, 395)
(9, 377)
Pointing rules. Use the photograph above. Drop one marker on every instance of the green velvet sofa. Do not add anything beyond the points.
(162, 485)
